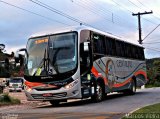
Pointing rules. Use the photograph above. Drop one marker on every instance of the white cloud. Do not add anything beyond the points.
(11, 48)
(16, 25)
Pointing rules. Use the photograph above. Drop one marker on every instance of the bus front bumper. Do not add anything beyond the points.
(60, 94)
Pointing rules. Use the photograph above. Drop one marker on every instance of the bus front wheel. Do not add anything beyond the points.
(99, 93)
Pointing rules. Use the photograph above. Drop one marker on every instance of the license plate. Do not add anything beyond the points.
(47, 95)
(15, 85)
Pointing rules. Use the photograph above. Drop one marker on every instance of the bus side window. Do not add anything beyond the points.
(142, 57)
(99, 44)
(107, 46)
(113, 42)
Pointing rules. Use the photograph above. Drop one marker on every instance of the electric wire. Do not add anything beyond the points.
(116, 18)
(132, 12)
(154, 49)
(15, 6)
(48, 7)
(151, 42)
(142, 9)
(81, 4)
(149, 8)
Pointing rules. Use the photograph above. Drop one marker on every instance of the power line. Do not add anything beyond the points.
(132, 12)
(142, 9)
(102, 10)
(139, 24)
(154, 49)
(90, 10)
(151, 32)
(137, 7)
(54, 10)
(149, 8)
(33, 13)
(151, 43)
(61, 13)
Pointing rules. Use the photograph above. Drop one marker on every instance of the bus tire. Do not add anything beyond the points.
(133, 87)
(54, 102)
(99, 93)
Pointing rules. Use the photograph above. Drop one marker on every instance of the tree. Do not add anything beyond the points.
(2, 46)
(157, 66)
(7, 64)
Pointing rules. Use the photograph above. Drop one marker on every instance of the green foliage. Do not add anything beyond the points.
(153, 72)
(5, 99)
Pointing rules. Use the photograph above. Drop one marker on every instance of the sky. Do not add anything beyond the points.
(19, 19)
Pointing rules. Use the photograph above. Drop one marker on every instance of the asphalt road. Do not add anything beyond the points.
(113, 107)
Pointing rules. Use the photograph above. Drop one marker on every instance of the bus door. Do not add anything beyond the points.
(85, 68)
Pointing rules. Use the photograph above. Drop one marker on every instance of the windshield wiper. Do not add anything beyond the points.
(45, 63)
(42, 64)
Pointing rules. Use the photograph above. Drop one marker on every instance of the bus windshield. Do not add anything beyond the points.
(54, 54)
(16, 80)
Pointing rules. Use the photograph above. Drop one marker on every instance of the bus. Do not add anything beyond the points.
(81, 62)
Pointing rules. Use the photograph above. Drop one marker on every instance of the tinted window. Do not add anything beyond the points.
(98, 44)
(110, 46)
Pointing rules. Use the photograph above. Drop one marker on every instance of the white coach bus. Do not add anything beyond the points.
(80, 63)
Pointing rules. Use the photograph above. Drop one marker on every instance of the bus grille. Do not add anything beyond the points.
(56, 95)
(46, 89)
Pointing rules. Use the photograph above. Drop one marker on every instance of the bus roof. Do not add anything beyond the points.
(79, 28)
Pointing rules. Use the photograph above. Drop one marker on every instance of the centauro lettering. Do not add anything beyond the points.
(122, 63)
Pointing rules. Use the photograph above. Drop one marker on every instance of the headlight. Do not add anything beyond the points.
(28, 89)
(71, 84)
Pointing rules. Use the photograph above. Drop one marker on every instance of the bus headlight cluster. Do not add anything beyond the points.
(28, 89)
(72, 84)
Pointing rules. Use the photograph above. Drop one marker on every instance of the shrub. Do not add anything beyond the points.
(5, 99)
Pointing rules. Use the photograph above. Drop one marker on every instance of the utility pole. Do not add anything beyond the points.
(139, 23)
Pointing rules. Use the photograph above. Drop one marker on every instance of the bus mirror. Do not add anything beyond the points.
(86, 46)
(19, 51)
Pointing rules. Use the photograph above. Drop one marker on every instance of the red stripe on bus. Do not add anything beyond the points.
(31, 85)
(96, 73)
(141, 72)
(128, 80)
(122, 84)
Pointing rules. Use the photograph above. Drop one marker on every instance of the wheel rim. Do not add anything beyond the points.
(99, 92)
(134, 87)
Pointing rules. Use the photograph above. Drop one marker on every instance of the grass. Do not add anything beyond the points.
(151, 112)
(151, 86)
(5, 99)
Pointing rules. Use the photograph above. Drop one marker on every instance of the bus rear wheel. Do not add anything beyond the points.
(99, 93)
(133, 87)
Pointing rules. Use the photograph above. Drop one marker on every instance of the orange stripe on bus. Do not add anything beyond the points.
(141, 72)
(128, 80)
(122, 84)
(31, 85)
(96, 73)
